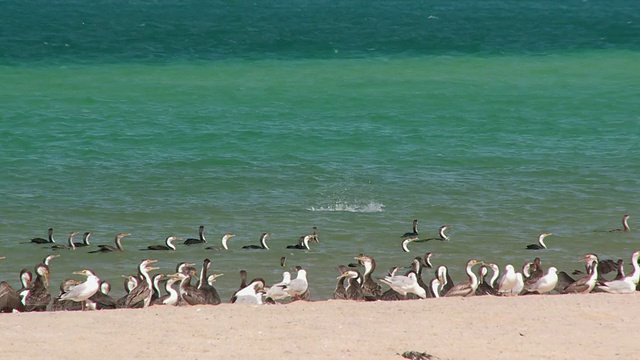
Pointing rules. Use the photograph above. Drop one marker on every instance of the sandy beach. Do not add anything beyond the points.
(535, 327)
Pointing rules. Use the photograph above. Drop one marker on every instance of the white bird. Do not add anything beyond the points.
(624, 286)
(405, 284)
(517, 290)
(251, 294)
(298, 286)
(508, 281)
(546, 283)
(84, 291)
(276, 291)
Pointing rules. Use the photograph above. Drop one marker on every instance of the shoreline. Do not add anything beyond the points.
(535, 326)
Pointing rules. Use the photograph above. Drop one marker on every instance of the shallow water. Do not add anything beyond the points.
(503, 120)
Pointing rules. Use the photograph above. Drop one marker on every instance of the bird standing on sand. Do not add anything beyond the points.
(81, 292)
(405, 284)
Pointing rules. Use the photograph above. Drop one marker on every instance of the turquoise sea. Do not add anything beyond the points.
(505, 119)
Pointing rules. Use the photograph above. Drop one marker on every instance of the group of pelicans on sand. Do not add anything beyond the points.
(143, 289)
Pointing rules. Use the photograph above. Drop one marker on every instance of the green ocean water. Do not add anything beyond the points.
(504, 120)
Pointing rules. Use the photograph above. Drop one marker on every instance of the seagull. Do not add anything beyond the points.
(84, 291)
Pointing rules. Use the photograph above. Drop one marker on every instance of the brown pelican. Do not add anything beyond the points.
(540, 245)
(225, 243)
(81, 292)
(263, 243)
(109, 248)
(414, 232)
(625, 225)
(405, 284)
(275, 291)
(48, 240)
(544, 284)
(37, 297)
(585, 284)
(303, 243)
(168, 244)
(200, 240)
(371, 289)
(353, 291)
(250, 294)
(140, 296)
(467, 288)
(71, 246)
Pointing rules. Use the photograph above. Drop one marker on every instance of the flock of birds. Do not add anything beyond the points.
(188, 286)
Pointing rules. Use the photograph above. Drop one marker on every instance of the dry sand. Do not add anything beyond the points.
(535, 327)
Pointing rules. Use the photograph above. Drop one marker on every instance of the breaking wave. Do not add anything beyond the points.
(371, 207)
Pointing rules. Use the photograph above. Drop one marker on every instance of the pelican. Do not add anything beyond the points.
(168, 244)
(109, 248)
(84, 291)
(200, 240)
(71, 246)
(544, 284)
(540, 245)
(467, 288)
(263, 243)
(225, 243)
(250, 294)
(48, 240)
(625, 225)
(414, 232)
(405, 284)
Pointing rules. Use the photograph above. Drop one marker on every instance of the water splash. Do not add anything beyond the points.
(371, 207)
